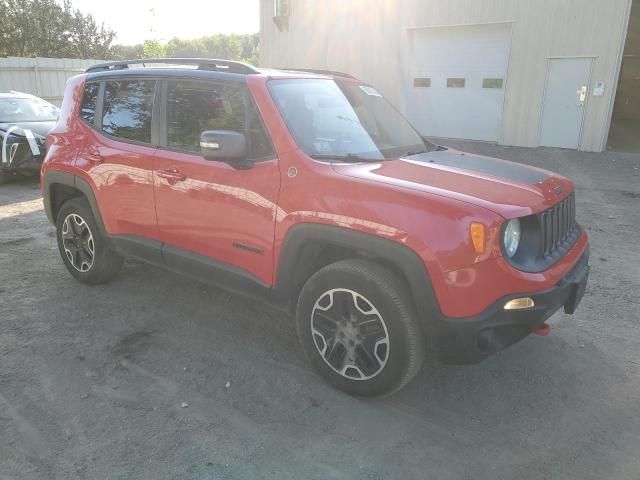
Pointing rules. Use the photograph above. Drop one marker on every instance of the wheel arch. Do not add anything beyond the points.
(310, 247)
(62, 186)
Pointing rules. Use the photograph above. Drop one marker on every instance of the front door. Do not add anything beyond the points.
(208, 208)
(565, 99)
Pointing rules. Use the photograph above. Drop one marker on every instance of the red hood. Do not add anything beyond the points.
(507, 188)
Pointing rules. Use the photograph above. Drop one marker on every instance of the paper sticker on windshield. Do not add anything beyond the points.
(322, 147)
(370, 90)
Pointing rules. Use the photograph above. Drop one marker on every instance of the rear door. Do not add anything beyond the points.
(117, 153)
(209, 211)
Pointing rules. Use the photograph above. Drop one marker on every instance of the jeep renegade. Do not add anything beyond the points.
(308, 190)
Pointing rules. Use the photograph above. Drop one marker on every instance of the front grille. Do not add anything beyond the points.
(557, 225)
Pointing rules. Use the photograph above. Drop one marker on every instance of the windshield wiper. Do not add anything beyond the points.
(348, 158)
(410, 153)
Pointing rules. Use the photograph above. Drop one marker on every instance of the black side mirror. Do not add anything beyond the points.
(224, 146)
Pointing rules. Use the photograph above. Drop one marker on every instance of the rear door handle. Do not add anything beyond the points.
(172, 175)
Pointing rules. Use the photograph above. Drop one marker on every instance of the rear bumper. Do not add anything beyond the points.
(472, 339)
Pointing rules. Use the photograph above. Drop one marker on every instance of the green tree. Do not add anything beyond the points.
(126, 52)
(185, 48)
(230, 47)
(153, 49)
(46, 28)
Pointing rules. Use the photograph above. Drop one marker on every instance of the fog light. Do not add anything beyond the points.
(519, 303)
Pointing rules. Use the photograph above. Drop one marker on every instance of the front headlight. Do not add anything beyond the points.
(511, 238)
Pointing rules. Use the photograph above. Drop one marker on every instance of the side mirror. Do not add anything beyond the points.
(224, 146)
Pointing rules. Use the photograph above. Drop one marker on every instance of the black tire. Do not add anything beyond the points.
(387, 309)
(105, 263)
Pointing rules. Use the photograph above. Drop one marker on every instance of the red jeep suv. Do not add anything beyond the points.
(307, 189)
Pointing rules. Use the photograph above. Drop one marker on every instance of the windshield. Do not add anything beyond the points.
(17, 109)
(344, 120)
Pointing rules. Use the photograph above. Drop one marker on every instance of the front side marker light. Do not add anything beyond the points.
(478, 236)
(519, 303)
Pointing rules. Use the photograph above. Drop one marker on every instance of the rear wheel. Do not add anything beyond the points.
(85, 252)
(358, 328)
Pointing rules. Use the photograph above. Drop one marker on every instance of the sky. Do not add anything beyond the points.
(139, 20)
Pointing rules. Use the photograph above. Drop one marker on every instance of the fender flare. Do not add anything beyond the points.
(54, 177)
(401, 256)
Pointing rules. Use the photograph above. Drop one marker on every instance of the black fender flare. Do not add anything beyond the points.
(403, 258)
(54, 177)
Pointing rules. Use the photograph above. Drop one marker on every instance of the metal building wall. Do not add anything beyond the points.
(43, 77)
(371, 40)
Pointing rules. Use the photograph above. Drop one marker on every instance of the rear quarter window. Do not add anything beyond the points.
(89, 102)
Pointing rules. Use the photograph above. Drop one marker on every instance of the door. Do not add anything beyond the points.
(458, 80)
(564, 102)
(118, 152)
(210, 211)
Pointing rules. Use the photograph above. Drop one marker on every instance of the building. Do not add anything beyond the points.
(515, 72)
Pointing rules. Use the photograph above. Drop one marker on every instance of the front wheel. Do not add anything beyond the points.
(358, 328)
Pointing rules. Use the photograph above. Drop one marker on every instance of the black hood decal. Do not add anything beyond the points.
(498, 168)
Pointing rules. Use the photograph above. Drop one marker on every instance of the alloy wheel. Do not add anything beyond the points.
(77, 241)
(350, 334)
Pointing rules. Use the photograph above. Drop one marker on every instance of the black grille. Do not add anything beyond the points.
(557, 225)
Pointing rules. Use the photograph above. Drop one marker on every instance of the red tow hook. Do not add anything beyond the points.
(543, 330)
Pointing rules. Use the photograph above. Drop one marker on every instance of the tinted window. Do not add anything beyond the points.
(127, 109)
(89, 101)
(193, 107)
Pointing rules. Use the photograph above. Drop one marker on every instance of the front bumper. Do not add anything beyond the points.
(18, 157)
(472, 339)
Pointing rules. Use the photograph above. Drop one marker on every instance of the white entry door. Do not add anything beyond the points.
(564, 102)
(458, 79)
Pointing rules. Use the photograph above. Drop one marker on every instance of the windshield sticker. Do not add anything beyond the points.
(322, 146)
(370, 91)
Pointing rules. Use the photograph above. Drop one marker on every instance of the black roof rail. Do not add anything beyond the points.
(333, 73)
(214, 64)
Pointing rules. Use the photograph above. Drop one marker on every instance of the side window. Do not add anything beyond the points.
(193, 107)
(89, 101)
(126, 112)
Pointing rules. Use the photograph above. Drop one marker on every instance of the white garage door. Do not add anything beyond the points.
(458, 80)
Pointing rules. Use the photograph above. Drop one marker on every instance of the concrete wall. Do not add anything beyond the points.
(43, 77)
(371, 40)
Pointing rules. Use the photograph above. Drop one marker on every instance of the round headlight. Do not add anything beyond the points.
(511, 238)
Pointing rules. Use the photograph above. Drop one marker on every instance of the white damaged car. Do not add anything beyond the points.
(25, 121)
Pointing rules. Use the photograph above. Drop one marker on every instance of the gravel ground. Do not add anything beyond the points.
(93, 379)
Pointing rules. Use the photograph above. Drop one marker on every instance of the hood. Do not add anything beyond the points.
(507, 188)
(41, 129)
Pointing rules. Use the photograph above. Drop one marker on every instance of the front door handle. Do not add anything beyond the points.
(172, 175)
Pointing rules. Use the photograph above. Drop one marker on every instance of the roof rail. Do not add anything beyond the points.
(333, 73)
(228, 66)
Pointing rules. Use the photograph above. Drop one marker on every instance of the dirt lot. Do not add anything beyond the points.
(92, 379)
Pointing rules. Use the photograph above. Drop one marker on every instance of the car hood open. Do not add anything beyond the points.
(507, 188)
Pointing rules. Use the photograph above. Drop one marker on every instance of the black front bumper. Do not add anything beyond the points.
(20, 158)
(472, 339)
